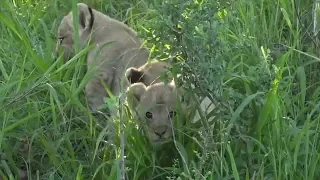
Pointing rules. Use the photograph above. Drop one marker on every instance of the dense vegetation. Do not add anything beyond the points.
(258, 59)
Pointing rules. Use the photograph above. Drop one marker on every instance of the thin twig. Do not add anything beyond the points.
(23, 95)
(122, 140)
(315, 20)
(303, 26)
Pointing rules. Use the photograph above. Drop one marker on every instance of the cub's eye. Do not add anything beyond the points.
(149, 115)
(172, 114)
(60, 40)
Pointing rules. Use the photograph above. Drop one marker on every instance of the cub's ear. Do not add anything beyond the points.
(86, 17)
(134, 93)
(172, 83)
(180, 91)
(134, 75)
(137, 90)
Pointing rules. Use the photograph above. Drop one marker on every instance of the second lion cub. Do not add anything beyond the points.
(116, 48)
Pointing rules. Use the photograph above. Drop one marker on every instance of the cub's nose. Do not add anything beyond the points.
(161, 130)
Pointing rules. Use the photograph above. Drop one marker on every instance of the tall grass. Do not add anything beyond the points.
(256, 58)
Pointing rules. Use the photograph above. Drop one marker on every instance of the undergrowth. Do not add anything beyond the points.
(256, 59)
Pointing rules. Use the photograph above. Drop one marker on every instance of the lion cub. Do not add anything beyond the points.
(157, 107)
(116, 47)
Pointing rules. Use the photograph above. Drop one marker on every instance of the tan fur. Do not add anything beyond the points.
(124, 50)
(160, 100)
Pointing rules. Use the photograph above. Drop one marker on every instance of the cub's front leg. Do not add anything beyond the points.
(95, 90)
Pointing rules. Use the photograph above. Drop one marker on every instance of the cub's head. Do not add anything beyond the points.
(148, 74)
(157, 107)
(66, 30)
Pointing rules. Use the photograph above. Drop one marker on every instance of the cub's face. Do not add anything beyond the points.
(157, 107)
(65, 39)
(66, 32)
